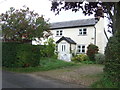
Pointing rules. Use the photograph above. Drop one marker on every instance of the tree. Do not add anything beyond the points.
(23, 25)
(97, 8)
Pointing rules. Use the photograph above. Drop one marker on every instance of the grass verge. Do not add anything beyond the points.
(104, 83)
(45, 65)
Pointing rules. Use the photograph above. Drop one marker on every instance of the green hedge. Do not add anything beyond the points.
(20, 55)
(112, 60)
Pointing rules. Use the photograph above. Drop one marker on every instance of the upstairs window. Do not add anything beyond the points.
(81, 49)
(83, 31)
(59, 33)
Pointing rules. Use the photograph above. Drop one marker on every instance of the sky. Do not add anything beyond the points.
(43, 8)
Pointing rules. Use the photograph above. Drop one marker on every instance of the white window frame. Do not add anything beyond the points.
(82, 31)
(59, 32)
(80, 50)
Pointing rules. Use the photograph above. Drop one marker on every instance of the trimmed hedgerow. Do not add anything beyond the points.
(112, 60)
(20, 55)
(9, 54)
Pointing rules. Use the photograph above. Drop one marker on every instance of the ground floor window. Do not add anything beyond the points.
(81, 49)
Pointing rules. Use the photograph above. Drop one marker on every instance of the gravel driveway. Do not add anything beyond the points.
(83, 75)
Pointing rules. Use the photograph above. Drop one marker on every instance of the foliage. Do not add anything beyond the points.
(112, 57)
(88, 8)
(45, 64)
(104, 83)
(80, 58)
(20, 55)
(49, 48)
(22, 25)
(88, 62)
(91, 51)
(100, 58)
(9, 54)
(50, 63)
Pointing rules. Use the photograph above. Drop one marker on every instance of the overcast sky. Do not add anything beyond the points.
(43, 8)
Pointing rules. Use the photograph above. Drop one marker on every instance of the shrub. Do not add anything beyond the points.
(100, 58)
(91, 51)
(104, 83)
(112, 60)
(20, 55)
(48, 49)
(80, 57)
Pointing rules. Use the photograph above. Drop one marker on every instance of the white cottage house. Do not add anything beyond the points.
(73, 37)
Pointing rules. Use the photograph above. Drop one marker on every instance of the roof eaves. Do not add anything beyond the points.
(72, 27)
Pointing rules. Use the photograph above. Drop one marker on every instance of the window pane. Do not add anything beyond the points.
(83, 46)
(80, 31)
(64, 48)
(78, 51)
(84, 31)
(57, 33)
(78, 47)
(83, 51)
(60, 32)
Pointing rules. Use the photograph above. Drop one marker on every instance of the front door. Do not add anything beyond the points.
(64, 54)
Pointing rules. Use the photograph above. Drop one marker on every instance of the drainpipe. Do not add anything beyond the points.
(95, 35)
(106, 34)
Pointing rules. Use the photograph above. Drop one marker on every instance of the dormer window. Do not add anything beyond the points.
(83, 31)
(59, 33)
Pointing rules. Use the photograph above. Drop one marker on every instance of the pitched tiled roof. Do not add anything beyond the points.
(73, 23)
(69, 40)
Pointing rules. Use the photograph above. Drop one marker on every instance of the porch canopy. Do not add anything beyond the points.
(69, 40)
